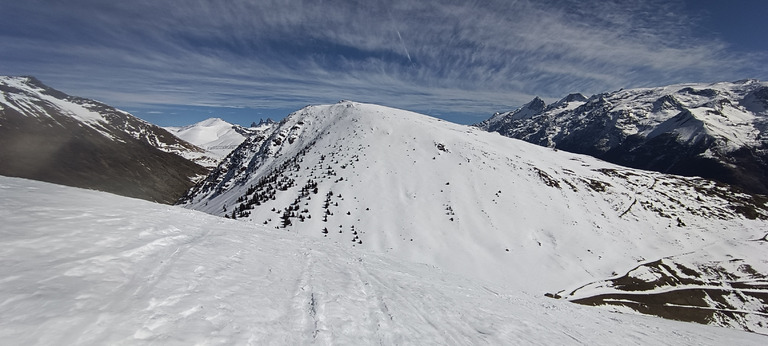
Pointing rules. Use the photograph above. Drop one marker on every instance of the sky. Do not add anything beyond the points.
(178, 62)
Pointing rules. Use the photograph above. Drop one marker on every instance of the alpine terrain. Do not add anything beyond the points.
(716, 131)
(217, 136)
(500, 210)
(82, 267)
(50, 136)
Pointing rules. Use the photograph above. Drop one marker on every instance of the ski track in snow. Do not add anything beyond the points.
(84, 267)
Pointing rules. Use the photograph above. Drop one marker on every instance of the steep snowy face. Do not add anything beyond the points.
(48, 135)
(84, 267)
(216, 136)
(467, 200)
(716, 131)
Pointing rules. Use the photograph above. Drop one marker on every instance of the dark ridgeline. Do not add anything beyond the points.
(120, 155)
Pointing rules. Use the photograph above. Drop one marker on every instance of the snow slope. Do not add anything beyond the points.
(85, 267)
(469, 201)
(716, 131)
(215, 135)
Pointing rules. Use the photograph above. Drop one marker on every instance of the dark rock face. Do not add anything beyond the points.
(118, 155)
(262, 122)
(713, 131)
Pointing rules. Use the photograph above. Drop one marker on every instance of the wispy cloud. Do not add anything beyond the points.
(443, 56)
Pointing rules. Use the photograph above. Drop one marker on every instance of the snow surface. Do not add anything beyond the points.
(484, 206)
(735, 282)
(215, 135)
(85, 267)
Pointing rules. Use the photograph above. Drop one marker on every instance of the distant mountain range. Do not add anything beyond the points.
(715, 131)
(50, 136)
(493, 208)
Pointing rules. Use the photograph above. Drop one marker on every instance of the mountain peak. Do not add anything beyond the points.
(215, 120)
(262, 122)
(210, 122)
(536, 104)
(574, 97)
(569, 102)
(31, 85)
(712, 130)
(218, 137)
(530, 109)
(31, 80)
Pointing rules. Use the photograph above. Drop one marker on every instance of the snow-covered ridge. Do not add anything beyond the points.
(466, 200)
(23, 94)
(83, 267)
(30, 97)
(712, 130)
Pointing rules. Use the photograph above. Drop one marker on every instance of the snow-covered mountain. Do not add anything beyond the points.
(48, 135)
(716, 131)
(217, 136)
(85, 267)
(478, 204)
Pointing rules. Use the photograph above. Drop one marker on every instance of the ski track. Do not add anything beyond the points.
(132, 272)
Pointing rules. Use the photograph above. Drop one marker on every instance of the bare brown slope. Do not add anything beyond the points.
(59, 149)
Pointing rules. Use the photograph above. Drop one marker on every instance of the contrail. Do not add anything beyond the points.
(403, 44)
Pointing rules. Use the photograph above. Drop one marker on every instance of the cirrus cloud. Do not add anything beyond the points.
(457, 57)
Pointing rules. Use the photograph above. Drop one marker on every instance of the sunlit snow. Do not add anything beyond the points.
(85, 267)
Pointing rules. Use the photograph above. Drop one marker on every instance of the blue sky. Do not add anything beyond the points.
(179, 62)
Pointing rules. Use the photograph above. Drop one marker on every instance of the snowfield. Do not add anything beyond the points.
(85, 267)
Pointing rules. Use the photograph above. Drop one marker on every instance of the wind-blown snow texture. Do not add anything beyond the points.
(470, 201)
(86, 267)
(716, 131)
